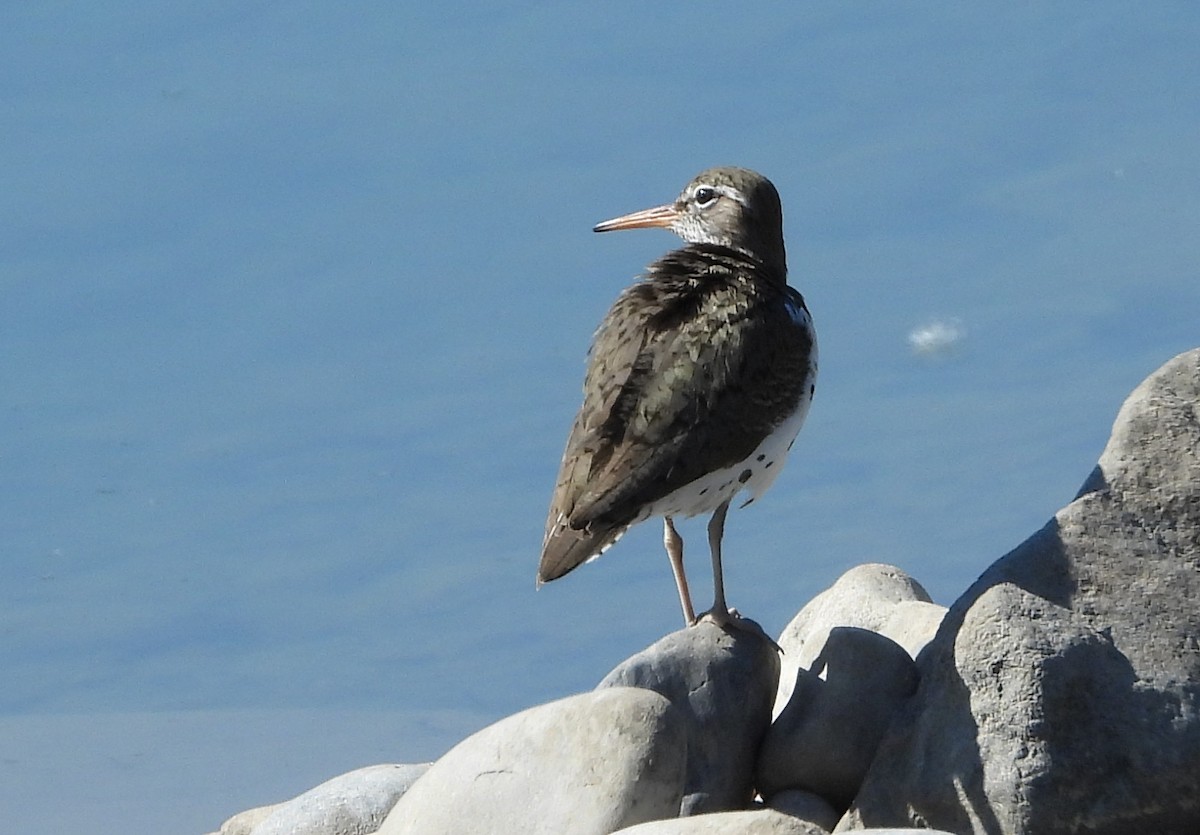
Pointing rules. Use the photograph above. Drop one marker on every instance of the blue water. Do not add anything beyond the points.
(296, 300)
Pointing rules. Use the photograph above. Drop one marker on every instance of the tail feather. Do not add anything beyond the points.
(567, 548)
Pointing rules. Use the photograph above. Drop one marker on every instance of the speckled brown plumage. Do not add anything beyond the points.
(694, 368)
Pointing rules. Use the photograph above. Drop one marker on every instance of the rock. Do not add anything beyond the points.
(808, 807)
(912, 624)
(827, 736)
(757, 822)
(904, 830)
(354, 803)
(591, 763)
(865, 596)
(243, 822)
(1062, 694)
(724, 683)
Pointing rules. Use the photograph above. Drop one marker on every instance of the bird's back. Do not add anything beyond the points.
(691, 369)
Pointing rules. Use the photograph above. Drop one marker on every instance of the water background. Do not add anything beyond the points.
(294, 302)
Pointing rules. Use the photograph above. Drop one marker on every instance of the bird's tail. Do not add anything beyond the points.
(566, 548)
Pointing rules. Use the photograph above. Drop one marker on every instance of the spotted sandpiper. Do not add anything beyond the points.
(698, 380)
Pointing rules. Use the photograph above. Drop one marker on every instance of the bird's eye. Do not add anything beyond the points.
(705, 196)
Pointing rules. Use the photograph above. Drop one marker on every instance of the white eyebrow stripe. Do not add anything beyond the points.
(731, 193)
(724, 191)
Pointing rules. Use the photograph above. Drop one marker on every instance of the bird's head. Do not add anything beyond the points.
(733, 207)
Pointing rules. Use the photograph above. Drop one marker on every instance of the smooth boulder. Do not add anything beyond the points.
(805, 805)
(866, 597)
(755, 822)
(912, 624)
(724, 683)
(243, 823)
(354, 803)
(1062, 694)
(588, 764)
(825, 739)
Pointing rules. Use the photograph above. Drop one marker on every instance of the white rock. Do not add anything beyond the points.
(724, 683)
(243, 822)
(756, 822)
(902, 831)
(586, 765)
(354, 803)
(865, 596)
(913, 623)
(1062, 693)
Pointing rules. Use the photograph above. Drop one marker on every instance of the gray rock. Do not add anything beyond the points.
(913, 623)
(1062, 693)
(724, 683)
(827, 736)
(866, 596)
(588, 764)
(354, 803)
(757, 822)
(808, 807)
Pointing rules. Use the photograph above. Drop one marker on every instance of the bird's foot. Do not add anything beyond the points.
(732, 619)
(723, 617)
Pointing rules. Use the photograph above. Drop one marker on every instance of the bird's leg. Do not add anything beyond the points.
(674, 545)
(719, 613)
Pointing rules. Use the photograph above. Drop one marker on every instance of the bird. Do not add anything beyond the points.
(698, 380)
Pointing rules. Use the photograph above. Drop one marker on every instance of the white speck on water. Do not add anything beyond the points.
(937, 337)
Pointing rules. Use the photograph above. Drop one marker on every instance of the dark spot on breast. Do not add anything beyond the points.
(745, 476)
(769, 463)
(811, 389)
(761, 457)
(705, 490)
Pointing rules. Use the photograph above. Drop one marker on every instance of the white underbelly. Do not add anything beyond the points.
(754, 475)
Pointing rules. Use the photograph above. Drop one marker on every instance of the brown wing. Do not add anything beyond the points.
(569, 539)
(654, 375)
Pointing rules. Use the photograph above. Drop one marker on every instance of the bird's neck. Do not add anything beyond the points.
(771, 262)
(772, 270)
(771, 254)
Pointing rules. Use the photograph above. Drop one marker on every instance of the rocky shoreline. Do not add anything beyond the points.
(1060, 693)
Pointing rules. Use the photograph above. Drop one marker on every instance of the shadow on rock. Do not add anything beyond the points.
(825, 739)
